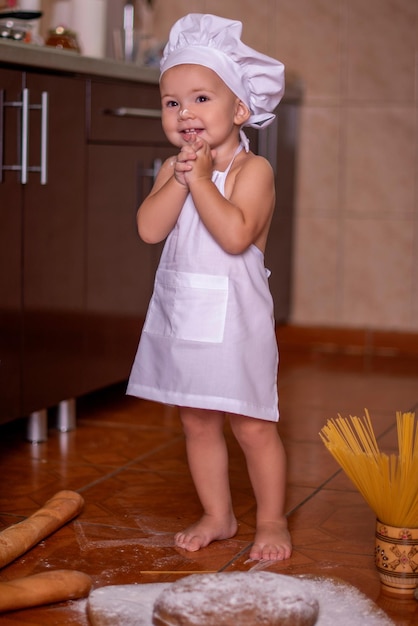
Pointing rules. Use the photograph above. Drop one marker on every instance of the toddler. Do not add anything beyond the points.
(208, 344)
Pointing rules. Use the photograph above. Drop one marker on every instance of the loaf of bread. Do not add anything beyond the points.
(43, 588)
(229, 599)
(19, 538)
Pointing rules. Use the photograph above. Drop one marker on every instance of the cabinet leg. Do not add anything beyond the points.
(66, 417)
(37, 430)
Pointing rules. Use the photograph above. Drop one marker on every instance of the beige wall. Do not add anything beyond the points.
(356, 221)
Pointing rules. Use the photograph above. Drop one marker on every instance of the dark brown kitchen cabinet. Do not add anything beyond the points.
(126, 145)
(42, 240)
(10, 251)
(77, 157)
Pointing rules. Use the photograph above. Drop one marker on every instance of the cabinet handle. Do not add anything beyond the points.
(25, 137)
(44, 138)
(43, 167)
(151, 172)
(133, 112)
(23, 166)
(156, 166)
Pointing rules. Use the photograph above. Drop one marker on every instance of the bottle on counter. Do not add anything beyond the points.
(61, 37)
(88, 20)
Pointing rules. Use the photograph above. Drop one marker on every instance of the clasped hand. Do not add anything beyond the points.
(194, 161)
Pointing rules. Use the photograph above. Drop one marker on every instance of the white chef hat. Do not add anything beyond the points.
(212, 41)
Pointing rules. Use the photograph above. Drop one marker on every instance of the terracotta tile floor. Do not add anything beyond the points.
(127, 459)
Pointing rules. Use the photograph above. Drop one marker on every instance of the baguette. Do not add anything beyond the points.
(44, 588)
(19, 538)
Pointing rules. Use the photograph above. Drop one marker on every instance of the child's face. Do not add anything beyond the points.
(196, 102)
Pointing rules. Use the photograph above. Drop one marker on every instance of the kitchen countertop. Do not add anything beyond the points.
(26, 55)
(44, 57)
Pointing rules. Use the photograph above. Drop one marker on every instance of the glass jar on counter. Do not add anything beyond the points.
(17, 30)
(61, 37)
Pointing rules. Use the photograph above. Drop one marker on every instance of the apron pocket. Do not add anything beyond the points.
(188, 306)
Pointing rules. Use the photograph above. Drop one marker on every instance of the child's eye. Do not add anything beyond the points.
(171, 103)
(202, 98)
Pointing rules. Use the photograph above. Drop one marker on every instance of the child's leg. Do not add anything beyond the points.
(266, 462)
(208, 461)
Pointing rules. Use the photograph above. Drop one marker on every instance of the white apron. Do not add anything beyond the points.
(209, 338)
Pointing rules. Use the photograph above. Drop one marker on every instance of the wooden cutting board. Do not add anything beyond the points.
(132, 605)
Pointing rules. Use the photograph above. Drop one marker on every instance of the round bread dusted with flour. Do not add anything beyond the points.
(228, 599)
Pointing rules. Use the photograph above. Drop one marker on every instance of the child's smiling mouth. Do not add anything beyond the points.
(189, 132)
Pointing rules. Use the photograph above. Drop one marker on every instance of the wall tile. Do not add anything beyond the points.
(377, 273)
(169, 11)
(319, 160)
(309, 41)
(380, 167)
(315, 276)
(414, 295)
(382, 44)
(258, 26)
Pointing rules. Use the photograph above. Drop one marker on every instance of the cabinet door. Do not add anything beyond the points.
(120, 267)
(10, 247)
(54, 245)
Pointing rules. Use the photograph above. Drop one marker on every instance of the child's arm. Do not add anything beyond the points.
(244, 217)
(158, 213)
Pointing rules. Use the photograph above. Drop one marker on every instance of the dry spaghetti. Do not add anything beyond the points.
(388, 483)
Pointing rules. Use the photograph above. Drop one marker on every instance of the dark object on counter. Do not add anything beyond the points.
(60, 37)
(20, 15)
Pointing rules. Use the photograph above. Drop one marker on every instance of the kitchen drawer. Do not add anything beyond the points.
(125, 112)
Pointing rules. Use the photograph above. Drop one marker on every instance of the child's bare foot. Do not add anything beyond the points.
(272, 542)
(206, 530)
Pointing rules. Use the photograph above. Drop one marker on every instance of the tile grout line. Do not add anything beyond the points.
(313, 494)
(235, 557)
(120, 469)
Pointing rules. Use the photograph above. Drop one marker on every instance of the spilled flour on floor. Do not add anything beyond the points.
(340, 604)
